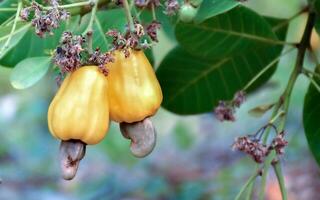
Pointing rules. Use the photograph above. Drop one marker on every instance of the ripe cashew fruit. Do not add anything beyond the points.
(134, 91)
(80, 109)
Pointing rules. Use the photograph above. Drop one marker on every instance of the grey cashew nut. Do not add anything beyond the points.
(142, 134)
(71, 152)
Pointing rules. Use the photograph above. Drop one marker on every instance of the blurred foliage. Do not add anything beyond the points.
(192, 159)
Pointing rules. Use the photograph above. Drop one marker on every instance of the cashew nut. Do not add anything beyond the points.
(71, 152)
(142, 135)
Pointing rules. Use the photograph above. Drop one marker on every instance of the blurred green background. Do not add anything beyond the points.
(193, 158)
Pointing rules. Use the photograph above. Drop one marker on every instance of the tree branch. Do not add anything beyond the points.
(284, 101)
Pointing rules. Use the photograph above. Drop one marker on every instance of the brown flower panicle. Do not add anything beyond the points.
(67, 56)
(73, 53)
(226, 109)
(253, 148)
(45, 21)
(171, 7)
(239, 98)
(152, 30)
(279, 143)
(258, 151)
(133, 39)
(101, 59)
(147, 3)
(224, 112)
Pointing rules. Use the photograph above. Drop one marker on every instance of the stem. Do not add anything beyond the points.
(271, 64)
(251, 186)
(89, 30)
(13, 28)
(8, 9)
(80, 7)
(278, 171)
(79, 4)
(8, 21)
(249, 191)
(302, 47)
(310, 73)
(267, 164)
(137, 16)
(285, 97)
(73, 5)
(154, 17)
(275, 28)
(284, 101)
(248, 183)
(128, 15)
(279, 114)
(313, 82)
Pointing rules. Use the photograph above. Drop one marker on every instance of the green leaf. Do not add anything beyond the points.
(104, 21)
(211, 8)
(33, 46)
(311, 115)
(149, 54)
(29, 71)
(317, 25)
(6, 4)
(192, 85)
(279, 26)
(317, 6)
(17, 35)
(226, 34)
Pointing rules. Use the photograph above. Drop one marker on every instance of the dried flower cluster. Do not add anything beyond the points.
(71, 54)
(101, 59)
(152, 29)
(258, 151)
(67, 56)
(251, 147)
(279, 143)
(225, 110)
(133, 39)
(147, 3)
(171, 7)
(45, 21)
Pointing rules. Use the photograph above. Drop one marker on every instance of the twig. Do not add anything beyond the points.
(247, 184)
(284, 101)
(308, 73)
(127, 11)
(271, 64)
(13, 28)
(89, 30)
(302, 47)
(154, 17)
(285, 97)
(79, 4)
(275, 28)
(278, 171)
(313, 82)
(267, 164)
(8, 9)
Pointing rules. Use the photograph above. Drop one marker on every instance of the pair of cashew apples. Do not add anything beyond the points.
(87, 100)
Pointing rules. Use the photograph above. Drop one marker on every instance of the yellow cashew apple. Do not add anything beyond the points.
(79, 110)
(134, 91)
